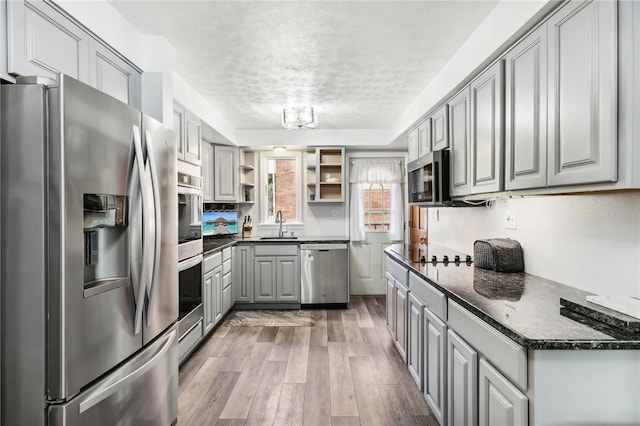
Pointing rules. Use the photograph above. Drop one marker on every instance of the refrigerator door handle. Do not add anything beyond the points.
(158, 222)
(142, 285)
(113, 385)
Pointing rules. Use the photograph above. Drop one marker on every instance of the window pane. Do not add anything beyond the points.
(281, 188)
(377, 207)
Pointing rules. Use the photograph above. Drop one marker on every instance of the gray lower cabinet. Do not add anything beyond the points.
(459, 134)
(227, 279)
(243, 274)
(435, 366)
(212, 297)
(390, 305)
(401, 309)
(500, 402)
(583, 93)
(276, 279)
(487, 142)
(462, 382)
(415, 339)
(526, 112)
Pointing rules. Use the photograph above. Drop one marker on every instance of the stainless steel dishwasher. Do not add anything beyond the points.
(325, 274)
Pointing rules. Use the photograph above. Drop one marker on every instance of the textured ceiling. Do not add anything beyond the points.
(360, 63)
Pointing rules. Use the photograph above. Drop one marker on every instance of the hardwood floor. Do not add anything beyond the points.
(343, 371)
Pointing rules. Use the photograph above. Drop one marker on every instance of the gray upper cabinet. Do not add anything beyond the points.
(207, 172)
(43, 42)
(424, 137)
(114, 76)
(187, 127)
(526, 112)
(487, 142)
(440, 128)
(583, 93)
(412, 142)
(192, 138)
(459, 127)
(226, 173)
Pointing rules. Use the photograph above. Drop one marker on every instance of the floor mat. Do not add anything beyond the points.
(270, 318)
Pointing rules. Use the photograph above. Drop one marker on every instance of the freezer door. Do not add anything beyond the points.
(162, 291)
(93, 295)
(142, 392)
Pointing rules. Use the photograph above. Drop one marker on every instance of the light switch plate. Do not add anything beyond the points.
(510, 220)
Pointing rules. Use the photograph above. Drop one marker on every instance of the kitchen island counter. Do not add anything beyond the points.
(524, 307)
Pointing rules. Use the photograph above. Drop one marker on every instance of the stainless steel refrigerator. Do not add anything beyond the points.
(89, 259)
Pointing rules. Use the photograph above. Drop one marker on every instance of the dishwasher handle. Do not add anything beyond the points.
(324, 247)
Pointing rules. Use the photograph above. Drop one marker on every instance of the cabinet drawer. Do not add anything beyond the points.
(226, 280)
(275, 250)
(505, 354)
(211, 262)
(398, 271)
(226, 266)
(226, 254)
(430, 296)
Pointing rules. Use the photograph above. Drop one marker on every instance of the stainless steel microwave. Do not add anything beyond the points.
(428, 179)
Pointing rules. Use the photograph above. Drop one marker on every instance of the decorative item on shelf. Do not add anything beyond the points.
(331, 179)
(299, 118)
(247, 194)
(312, 197)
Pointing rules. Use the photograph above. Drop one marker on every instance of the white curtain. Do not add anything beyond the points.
(373, 171)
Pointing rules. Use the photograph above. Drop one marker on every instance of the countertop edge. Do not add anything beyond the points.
(532, 344)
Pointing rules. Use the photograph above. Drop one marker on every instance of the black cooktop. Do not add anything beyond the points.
(433, 253)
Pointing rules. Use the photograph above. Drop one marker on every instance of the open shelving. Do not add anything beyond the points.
(325, 175)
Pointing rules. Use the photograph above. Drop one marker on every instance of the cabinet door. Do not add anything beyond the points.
(435, 371)
(401, 295)
(459, 140)
(440, 129)
(42, 41)
(583, 93)
(234, 275)
(414, 344)
(227, 300)
(243, 275)
(113, 75)
(288, 278)
(192, 138)
(487, 141)
(225, 182)
(500, 402)
(424, 137)
(391, 304)
(208, 301)
(462, 382)
(412, 142)
(264, 268)
(178, 128)
(217, 294)
(526, 112)
(207, 172)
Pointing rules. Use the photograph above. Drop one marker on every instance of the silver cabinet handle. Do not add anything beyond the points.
(113, 385)
(158, 223)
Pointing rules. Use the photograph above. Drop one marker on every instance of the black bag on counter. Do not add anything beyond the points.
(498, 254)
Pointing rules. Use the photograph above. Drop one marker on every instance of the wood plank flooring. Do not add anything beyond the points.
(343, 371)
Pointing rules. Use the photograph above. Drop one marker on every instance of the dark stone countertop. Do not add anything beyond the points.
(211, 245)
(524, 307)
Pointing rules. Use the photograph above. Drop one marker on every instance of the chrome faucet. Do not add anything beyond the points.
(279, 220)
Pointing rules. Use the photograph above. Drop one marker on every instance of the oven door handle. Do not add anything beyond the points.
(189, 263)
(142, 285)
(153, 282)
(189, 191)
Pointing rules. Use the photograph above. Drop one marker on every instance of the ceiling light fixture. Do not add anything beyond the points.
(299, 118)
(279, 149)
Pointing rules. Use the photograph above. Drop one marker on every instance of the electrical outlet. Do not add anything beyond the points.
(436, 215)
(510, 220)
(334, 214)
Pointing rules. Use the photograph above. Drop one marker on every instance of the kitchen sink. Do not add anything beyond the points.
(278, 238)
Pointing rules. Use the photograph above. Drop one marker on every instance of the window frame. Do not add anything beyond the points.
(367, 211)
(264, 180)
